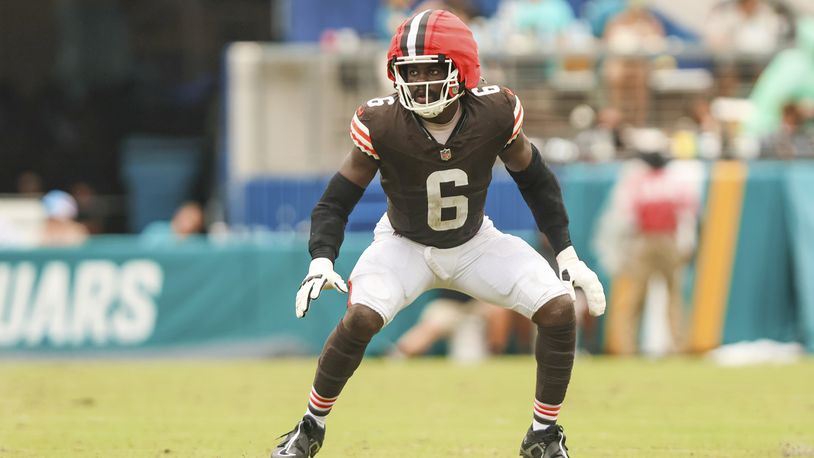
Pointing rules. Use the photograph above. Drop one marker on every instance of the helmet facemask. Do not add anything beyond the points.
(450, 89)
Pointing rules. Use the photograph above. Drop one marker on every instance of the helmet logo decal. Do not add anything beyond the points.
(446, 154)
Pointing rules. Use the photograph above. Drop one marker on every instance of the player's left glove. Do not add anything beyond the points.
(575, 274)
(320, 276)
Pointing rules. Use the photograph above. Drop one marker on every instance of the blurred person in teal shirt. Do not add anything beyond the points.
(187, 222)
(546, 20)
(788, 79)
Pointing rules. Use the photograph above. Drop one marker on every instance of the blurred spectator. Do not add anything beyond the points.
(60, 227)
(389, 14)
(507, 328)
(599, 12)
(546, 20)
(474, 329)
(461, 8)
(89, 209)
(698, 134)
(29, 183)
(599, 136)
(629, 37)
(740, 32)
(647, 229)
(188, 221)
(539, 23)
(794, 139)
(786, 80)
(451, 314)
(743, 26)
(701, 114)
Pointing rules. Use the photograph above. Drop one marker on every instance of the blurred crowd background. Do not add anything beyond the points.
(679, 131)
(86, 84)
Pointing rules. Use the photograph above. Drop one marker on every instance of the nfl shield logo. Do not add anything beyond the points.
(446, 154)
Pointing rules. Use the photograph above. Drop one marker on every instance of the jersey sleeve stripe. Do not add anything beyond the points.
(363, 131)
(518, 114)
(366, 149)
(354, 129)
(518, 119)
(361, 137)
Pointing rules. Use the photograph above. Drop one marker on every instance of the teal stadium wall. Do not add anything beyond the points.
(123, 296)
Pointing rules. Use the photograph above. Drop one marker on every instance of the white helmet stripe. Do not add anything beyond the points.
(411, 36)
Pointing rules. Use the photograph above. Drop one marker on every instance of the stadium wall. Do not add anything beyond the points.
(753, 272)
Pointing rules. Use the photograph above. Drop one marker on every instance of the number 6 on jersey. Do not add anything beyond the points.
(435, 203)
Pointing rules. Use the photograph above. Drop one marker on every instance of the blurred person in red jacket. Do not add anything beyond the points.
(648, 229)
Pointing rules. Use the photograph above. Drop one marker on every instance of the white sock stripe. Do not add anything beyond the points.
(322, 399)
(320, 406)
(546, 411)
(547, 406)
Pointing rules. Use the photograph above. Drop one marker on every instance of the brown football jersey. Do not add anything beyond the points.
(436, 192)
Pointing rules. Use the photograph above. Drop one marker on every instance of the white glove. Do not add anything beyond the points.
(575, 274)
(320, 276)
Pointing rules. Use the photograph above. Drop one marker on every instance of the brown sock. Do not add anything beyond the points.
(340, 357)
(554, 352)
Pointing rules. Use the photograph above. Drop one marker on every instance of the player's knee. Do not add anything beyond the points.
(362, 322)
(556, 312)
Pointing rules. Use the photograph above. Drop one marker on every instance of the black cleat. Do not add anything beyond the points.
(304, 441)
(546, 443)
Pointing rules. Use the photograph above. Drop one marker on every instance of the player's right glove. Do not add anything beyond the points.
(575, 274)
(320, 276)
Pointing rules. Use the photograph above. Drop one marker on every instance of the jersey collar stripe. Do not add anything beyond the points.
(412, 35)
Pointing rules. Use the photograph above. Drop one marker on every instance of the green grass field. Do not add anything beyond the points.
(423, 408)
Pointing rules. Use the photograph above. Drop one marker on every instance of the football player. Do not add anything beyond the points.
(435, 141)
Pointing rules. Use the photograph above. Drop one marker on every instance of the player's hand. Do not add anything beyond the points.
(575, 274)
(320, 276)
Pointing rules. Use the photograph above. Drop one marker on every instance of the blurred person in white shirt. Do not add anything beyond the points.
(744, 26)
(630, 38)
(747, 28)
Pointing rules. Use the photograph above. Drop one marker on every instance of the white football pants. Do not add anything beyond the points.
(493, 267)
